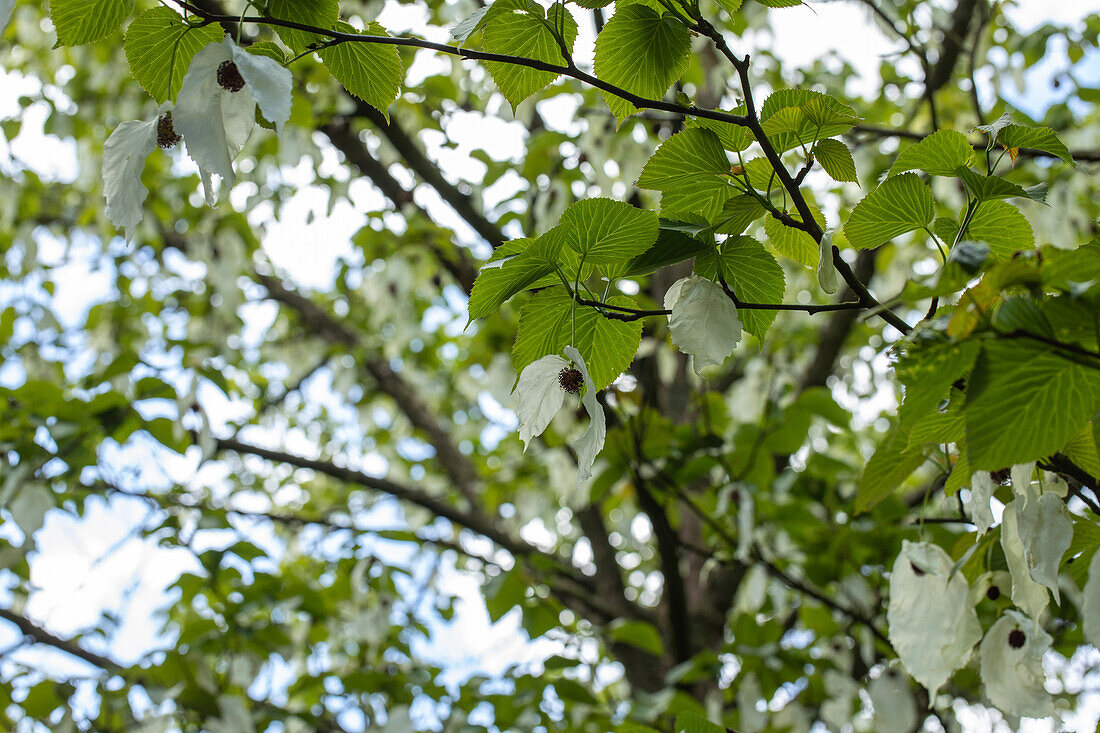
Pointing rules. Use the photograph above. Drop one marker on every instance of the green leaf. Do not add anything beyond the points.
(371, 71)
(83, 21)
(796, 117)
(671, 247)
(317, 13)
(986, 188)
(752, 274)
(794, 243)
(927, 373)
(695, 723)
(525, 31)
(1082, 450)
(1036, 138)
(641, 52)
(1002, 227)
(638, 634)
(940, 154)
(733, 137)
(159, 47)
(900, 205)
(737, 213)
(1025, 402)
(836, 159)
(691, 171)
(938, 427)
(607, 232)
(495, 284)
(885, 474)
(547, 323)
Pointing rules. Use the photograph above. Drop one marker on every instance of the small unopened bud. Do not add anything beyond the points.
(229, 77)
(570, 380)
(1016, 639)
(167, 137)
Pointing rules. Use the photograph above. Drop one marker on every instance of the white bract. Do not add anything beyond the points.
(1049, 541)
(215, 120)
(895, 711)
(826, 270)
(1090, 606)
(124, 154)
(982, 487)
(1026, 593)
(933, 626)
(1012, 666)
(703, 322)
(540, 397)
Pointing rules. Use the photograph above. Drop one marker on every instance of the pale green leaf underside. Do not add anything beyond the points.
(159, 45)
(83, 21)
(939, 154)
(691, 171)
(606, 232)
(1037, 138)
(496, 284)
(792, 243)
(527, 35)
(370, 71)
(317, 13)
(1025, 402)
(836, 159)
(900, 205)
(641, 52)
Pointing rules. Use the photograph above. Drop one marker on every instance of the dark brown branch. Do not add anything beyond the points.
(39, 635)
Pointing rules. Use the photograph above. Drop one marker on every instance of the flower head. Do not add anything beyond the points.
(541, 389)
(216, 110)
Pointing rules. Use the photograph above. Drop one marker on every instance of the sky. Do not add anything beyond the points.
(90, 565)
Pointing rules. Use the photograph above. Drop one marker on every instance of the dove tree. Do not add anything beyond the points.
(758, 394)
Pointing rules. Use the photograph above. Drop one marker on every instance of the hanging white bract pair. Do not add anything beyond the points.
(214, 115)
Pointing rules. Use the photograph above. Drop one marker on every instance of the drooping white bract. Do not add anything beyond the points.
(1012, 666)
(541, 396)
(1026, 593)
(214, 120)
(826, 270)
(124, 154)
(933, 626)
(977, 506)
(894, 707)
(1049, 541)
(703, 322)
(590, 444)
(1090, 606)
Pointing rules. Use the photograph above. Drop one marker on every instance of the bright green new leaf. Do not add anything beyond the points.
(1025, 402)
(737, 213)
(986, 188)
(607, 232)
(797, 117)
(159, 47)
(1003, 227)
(939, 154)
(691, 171)
(551, 321)
(502, 278)
(641, 52)
(733, 137)
(885, 474)
(371, 71)
(836, 159)
(794, 243)
(900, 205)
(927, 374)
(526, 32)
(1037, 138)
(753, 275)
(83, 21)
(317, 13)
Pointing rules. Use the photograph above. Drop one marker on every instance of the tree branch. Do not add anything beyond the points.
(39, 635)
